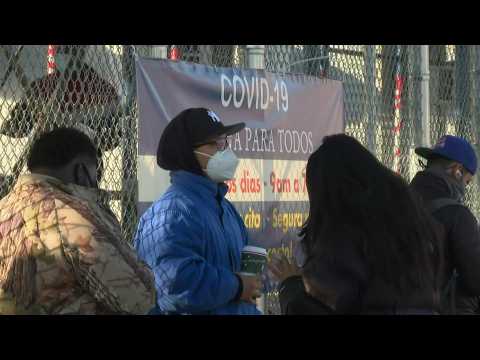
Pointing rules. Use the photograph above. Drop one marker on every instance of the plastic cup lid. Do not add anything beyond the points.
(255, 249)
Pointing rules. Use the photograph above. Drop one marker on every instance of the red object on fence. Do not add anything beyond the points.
(174, 53)
(398, 91)
(51, 65)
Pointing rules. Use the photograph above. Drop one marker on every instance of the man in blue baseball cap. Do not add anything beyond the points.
(451, 165)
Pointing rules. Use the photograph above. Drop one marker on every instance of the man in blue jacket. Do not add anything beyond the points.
(192, 236)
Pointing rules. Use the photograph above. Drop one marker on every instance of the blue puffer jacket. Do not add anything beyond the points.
(191, 238)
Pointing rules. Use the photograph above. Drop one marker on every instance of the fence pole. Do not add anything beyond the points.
(370, 105)
(256, 60)
(462, 91)
(387, 78)
(160, 51)
(256, 56)
(425, 94)
(476, 109)
(128, 147)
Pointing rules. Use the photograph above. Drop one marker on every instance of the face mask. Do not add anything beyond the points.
(459, 187)
(222, 165)
(455, 186)
(85, 180)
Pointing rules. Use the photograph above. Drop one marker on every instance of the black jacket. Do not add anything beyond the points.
(345, 273)
(295, 301)
(462, 239)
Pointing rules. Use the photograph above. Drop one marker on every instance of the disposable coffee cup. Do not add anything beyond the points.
(253, 260)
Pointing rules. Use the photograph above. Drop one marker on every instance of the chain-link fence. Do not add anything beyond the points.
(90, 87)
(93, 88)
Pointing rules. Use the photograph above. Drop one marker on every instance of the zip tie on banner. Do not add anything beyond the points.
(134, 50)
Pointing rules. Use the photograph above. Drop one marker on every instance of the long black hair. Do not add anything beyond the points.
(349, 189)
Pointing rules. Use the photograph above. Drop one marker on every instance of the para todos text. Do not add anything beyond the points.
(289, 141)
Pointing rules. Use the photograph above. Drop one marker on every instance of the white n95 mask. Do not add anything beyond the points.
(222, 165)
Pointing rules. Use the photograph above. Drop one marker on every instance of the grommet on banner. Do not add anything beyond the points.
(134, 51)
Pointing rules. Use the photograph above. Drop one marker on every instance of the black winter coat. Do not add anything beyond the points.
(355, 291)
(462, 250)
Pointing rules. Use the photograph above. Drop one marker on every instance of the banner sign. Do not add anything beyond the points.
(286, 118)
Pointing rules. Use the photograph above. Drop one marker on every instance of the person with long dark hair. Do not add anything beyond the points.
(369, 244)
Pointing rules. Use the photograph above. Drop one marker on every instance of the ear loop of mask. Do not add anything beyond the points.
(201, 153)
(91, 183)
(422, 164)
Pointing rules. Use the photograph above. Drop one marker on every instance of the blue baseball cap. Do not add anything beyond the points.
(453, 148)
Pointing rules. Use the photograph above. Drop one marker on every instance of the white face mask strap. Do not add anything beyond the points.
(201, 153)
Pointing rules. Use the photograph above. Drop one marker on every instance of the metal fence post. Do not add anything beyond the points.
(462, 91)
(425, 94)
(256, 60)
(128, 146)
(370, 104)
(256, 56)
(476, 108)
(160, 51)
(387, 103)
